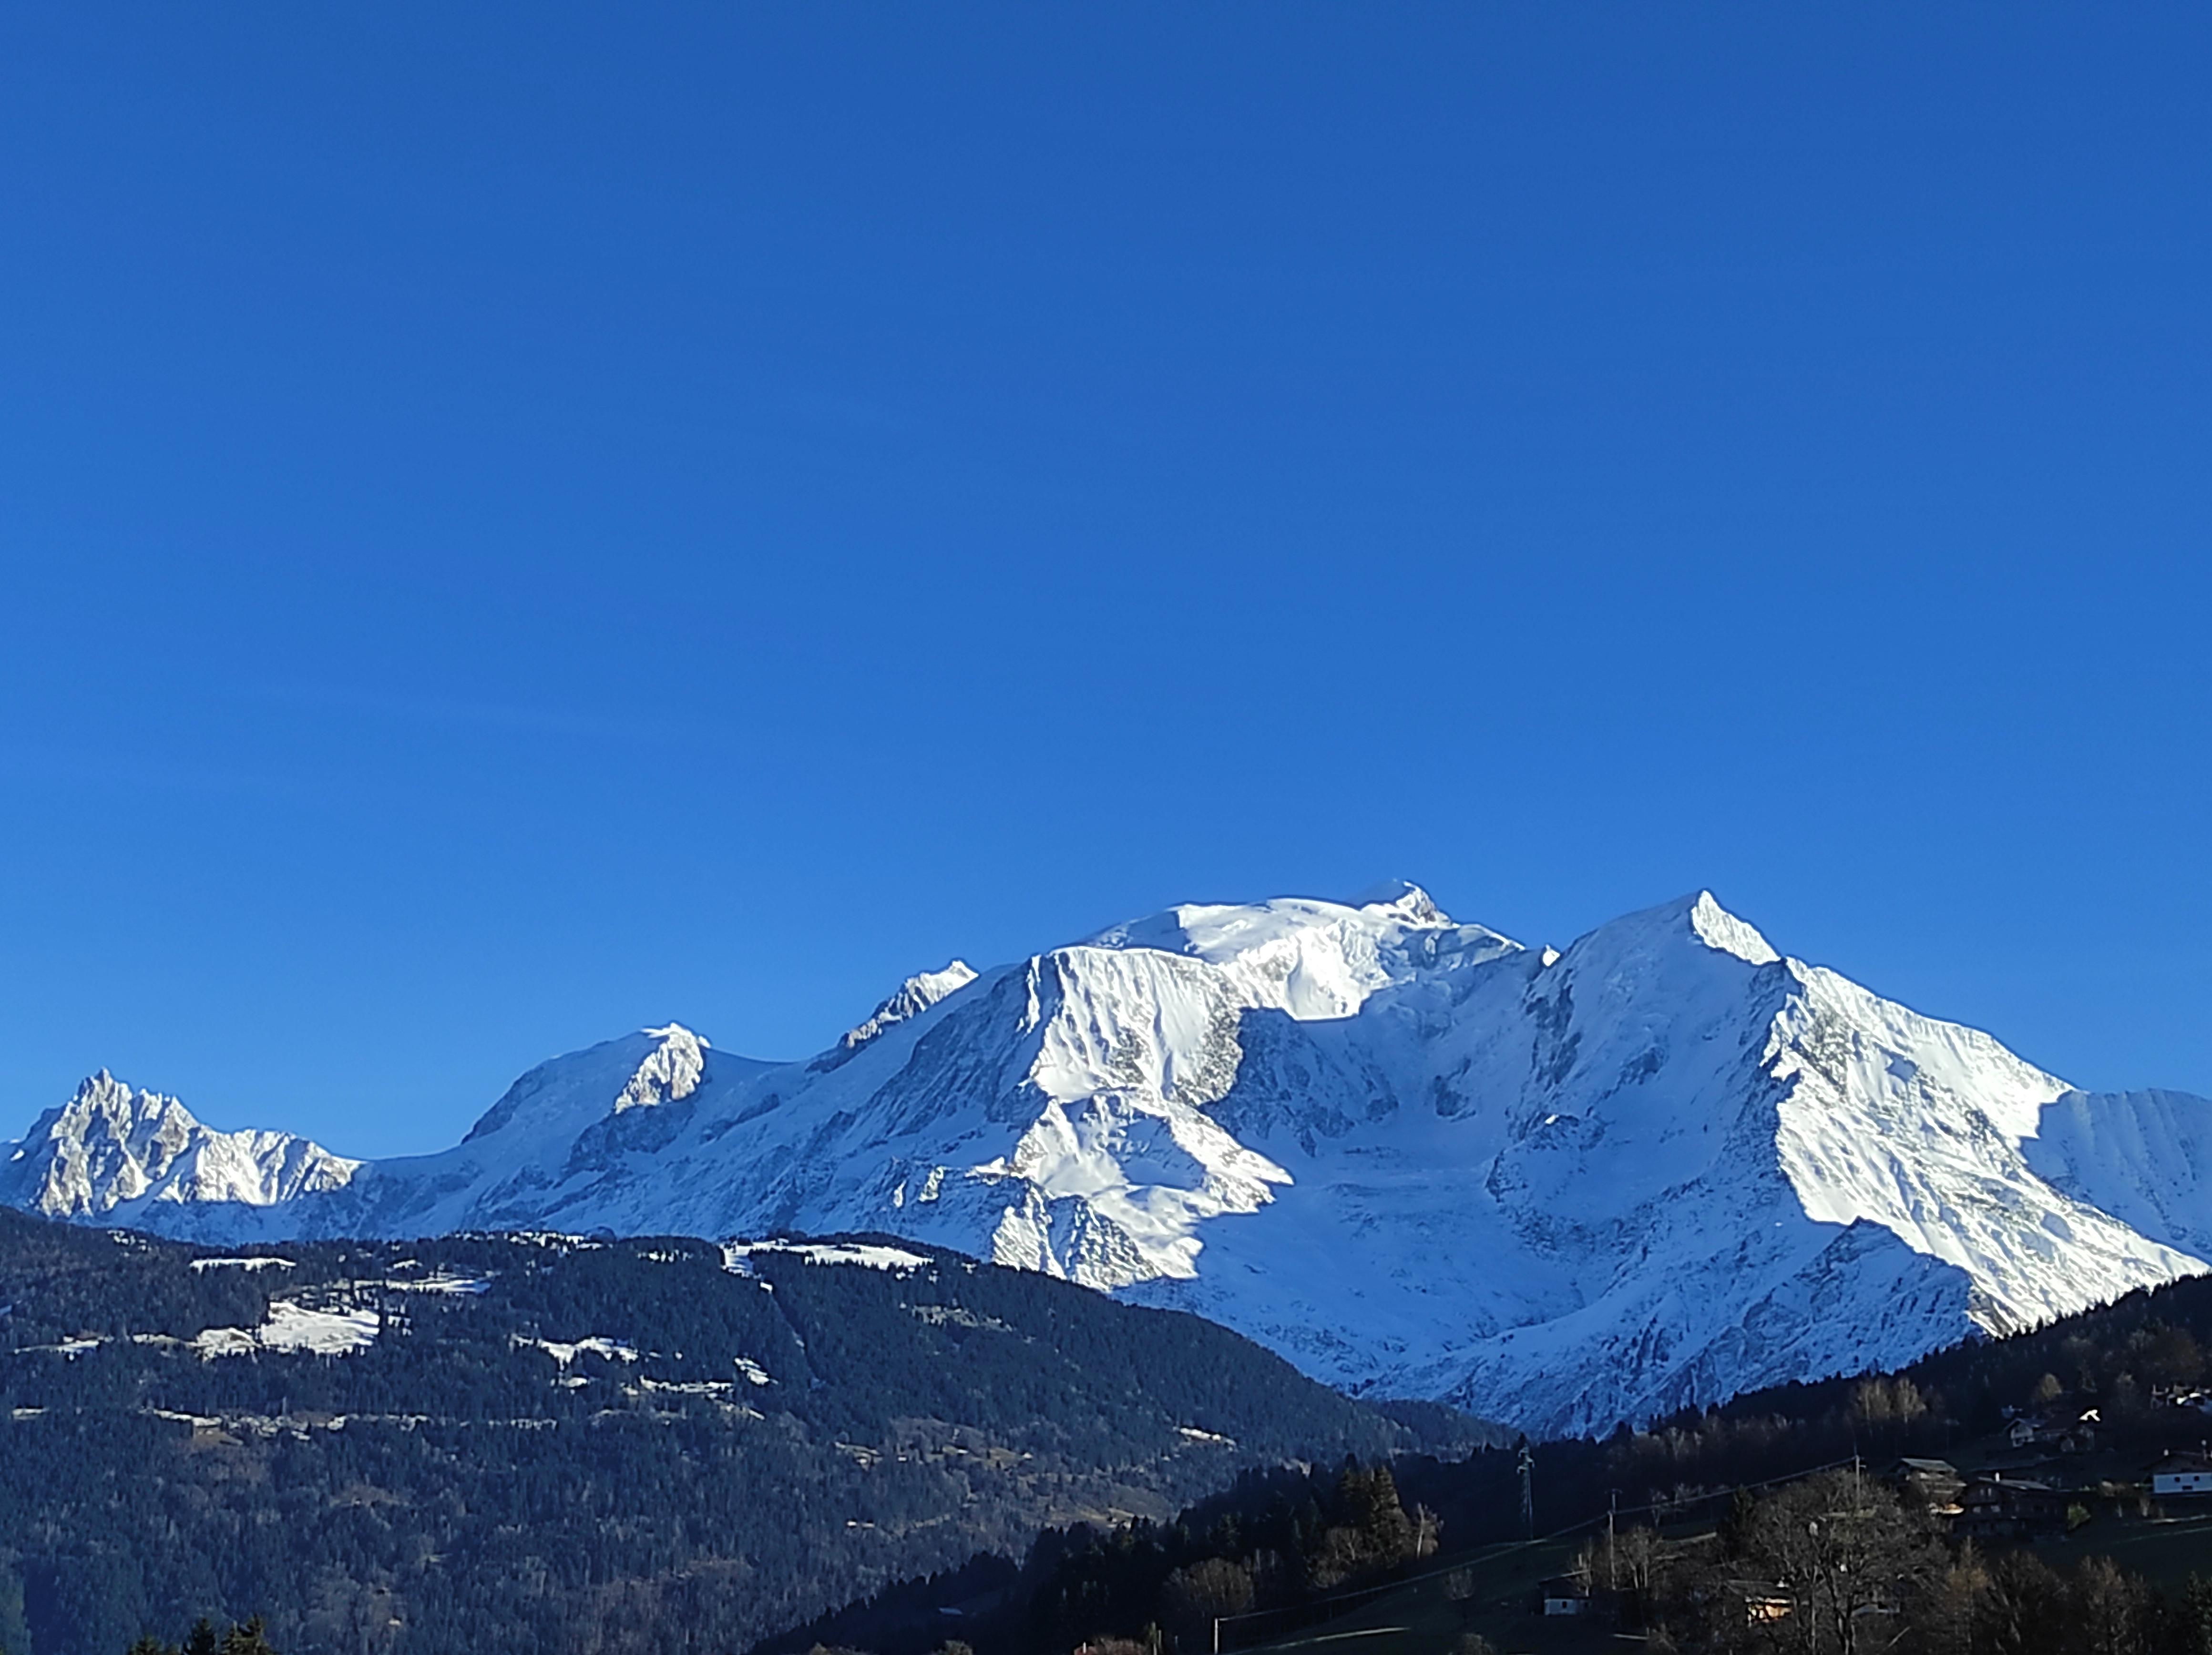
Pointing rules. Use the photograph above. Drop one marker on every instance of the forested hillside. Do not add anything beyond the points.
(537, 1443)
(1290, 1538)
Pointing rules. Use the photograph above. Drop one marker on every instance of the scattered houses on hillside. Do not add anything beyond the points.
(2063, 1431)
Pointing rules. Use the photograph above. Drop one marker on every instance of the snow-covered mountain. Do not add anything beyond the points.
(109, 1146)
(1559, 1189)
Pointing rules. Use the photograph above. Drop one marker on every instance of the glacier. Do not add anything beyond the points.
(1560, 1188)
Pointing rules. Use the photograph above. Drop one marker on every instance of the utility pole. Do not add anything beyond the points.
(1612, 1508)
(1528, 1493)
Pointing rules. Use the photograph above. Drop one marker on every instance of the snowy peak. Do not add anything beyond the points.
(109, 1146)
(1403, 898)
(1311, 958)
(910, 999)
(1716, 928)
(561, 1096)
(1698, 918)
(1656, 1167)
(667, 1074)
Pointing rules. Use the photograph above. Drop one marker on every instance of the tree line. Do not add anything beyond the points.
(1841, 1563)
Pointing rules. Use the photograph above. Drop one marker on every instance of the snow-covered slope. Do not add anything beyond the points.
(1559, 1189)
(2144, 1157)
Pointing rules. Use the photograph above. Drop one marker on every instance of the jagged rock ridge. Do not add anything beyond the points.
(109, 1146)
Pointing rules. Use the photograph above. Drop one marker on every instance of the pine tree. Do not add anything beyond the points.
(2193, 1622)
(246, 1640)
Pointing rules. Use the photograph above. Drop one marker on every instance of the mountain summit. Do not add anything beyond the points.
(1561, 1189)
(109, 1146)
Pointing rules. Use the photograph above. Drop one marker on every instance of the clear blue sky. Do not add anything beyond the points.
(516, 522)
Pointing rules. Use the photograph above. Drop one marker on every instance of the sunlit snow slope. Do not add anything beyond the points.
(1560, 1189)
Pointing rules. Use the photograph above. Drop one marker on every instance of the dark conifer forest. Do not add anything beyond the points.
(551, 1444)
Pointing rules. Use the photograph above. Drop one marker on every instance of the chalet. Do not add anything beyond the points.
(1934, 1483)
(2000, 1508)
(2181, 1474)
(1762, 1601)
(1566, 1594)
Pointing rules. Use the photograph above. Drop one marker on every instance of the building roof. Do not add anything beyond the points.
(2025, 1485)
(2185, 1459)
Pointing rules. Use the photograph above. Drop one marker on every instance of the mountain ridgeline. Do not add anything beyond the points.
(538, 1443)
(1563, 1188)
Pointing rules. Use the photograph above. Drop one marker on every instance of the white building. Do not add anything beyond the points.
(2182, 1474)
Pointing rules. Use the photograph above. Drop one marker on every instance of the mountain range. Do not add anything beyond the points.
(1559, 1188)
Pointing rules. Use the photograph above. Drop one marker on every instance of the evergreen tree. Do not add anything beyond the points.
(2193, 1617)
(246, 1640)
(15, 1635)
